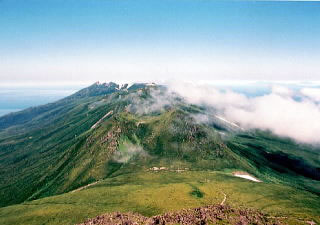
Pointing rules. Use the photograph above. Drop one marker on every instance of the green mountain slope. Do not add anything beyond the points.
(151, 193)
(107, 131)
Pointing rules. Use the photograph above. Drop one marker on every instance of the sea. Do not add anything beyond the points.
(13, 99)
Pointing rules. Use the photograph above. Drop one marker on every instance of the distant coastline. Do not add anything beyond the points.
(13, 99)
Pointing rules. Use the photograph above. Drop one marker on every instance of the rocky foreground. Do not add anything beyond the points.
(213, 214)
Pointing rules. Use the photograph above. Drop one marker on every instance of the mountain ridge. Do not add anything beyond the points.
(107, 130)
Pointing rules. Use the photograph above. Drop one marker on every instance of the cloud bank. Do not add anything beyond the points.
(284, 111)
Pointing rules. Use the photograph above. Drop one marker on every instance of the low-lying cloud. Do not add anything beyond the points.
(285, 112)
(312, 93)
(129, 151)
(157, 101)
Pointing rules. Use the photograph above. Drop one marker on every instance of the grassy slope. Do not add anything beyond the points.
(57, 152)
(279, 160)
(151, 193)
(28, 159)
(34, 153)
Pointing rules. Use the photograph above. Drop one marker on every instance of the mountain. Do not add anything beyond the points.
(141, 136)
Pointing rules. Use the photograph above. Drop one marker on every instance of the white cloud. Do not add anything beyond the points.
(277, 111)
(312, 93)
(157, 102)
(281, 115)
(129, 151)
(281, 90)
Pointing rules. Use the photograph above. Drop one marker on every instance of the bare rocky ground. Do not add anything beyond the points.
(213, 214)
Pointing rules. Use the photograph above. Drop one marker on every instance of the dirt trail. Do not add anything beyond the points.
(83, 187)
(99, 121)
(224, 199)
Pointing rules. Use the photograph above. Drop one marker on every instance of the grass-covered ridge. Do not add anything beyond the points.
(151, 193)
(110, 136)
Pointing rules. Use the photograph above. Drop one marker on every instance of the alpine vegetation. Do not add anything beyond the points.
(153, 149)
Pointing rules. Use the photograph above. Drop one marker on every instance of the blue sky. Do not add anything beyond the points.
(81, 41)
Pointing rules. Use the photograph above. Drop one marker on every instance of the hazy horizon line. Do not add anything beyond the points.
(10, 84)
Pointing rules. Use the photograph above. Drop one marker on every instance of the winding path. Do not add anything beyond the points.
(224, 199)
(83, 187)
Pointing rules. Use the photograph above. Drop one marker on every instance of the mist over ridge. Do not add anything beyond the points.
(288, 109)
(285, 111)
